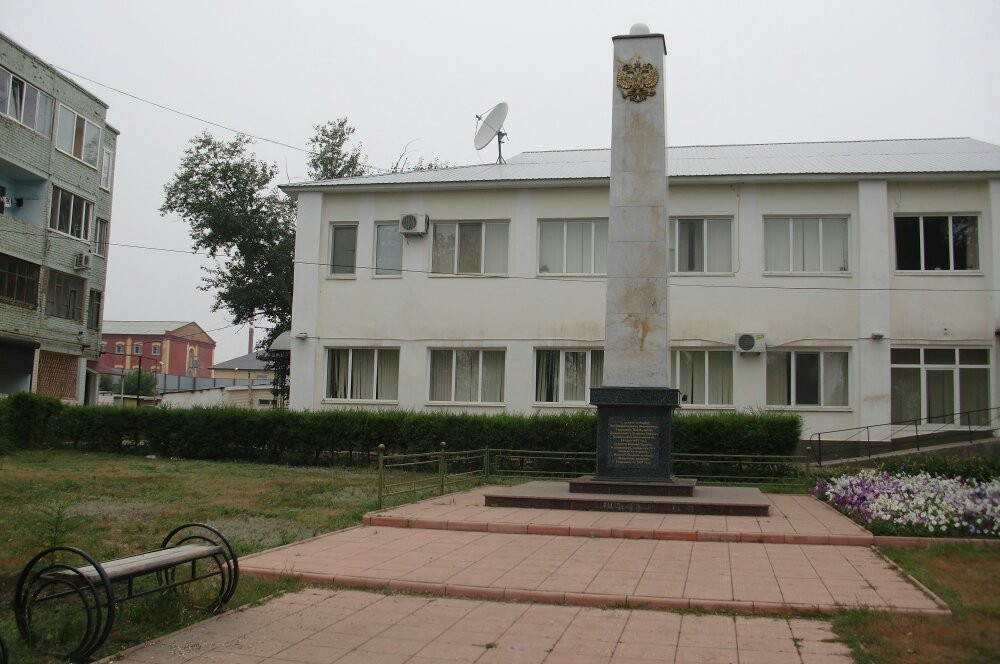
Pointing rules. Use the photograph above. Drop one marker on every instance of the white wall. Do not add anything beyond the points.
(522, 311)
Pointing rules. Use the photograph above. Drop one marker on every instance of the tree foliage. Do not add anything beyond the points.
(145, 381)
(247, 226)
(329, 155)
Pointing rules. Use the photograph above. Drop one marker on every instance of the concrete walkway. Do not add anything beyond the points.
(320, 626)
(794, 519)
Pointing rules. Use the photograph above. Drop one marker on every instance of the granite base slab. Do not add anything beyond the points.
(680, 486)
(720, 501)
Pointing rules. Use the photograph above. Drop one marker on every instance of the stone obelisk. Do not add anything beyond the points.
(635, 404)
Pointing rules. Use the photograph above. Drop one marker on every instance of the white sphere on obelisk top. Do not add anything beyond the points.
(639, 29)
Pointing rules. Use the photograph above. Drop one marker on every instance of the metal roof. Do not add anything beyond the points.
(249, 362)
(159, 327)
(906, 156)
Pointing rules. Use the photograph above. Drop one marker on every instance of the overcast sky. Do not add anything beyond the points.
(416, 73)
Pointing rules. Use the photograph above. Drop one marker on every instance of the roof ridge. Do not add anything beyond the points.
(740, 145)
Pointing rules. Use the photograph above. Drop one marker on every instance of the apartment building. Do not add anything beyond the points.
(854, 283)
(57, 155)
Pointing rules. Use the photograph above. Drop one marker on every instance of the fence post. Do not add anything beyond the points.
(916, 431)
(809, 453)
(486, 464)
(819, 449)
(381, 474)
(441, 467)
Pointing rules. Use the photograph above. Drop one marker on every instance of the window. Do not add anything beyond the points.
(155, 349)
(470, 247)
(705, 377)
(120, 348)
(701, 245)
(937, 242)
(192, 359)
(368, 374)
(101, 237)
(104, 346)
(78, 136)
(936, 383)
(94, 310)
(18, 281)
(137, 349)
(573, 247)
(805, 244)
(807, 378)
(26, 103)
(64, 298)
(106, 169)
(71, 214)
(566, 376)
(343, 248)
(388, 249)
(467, 376)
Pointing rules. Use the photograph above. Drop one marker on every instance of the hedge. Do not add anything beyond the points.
(324, 437)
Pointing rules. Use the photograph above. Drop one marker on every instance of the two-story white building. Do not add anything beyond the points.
(864, 272)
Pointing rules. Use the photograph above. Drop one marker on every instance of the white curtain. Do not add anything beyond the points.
(835, 245)
(601, 246)
(388, 249)
(441, 375)
(443, 253)
(835, 384)
(493, 376)
(337, 363)
(546, 376)
(720, 245)
(363, 373)
(720, 377)
(596, 368)
(467, 375)
(574, 375)
(905, 392)
(691, 373)
(578, 247)
(805, 245)
(779, 378)
(388, 374)
(495, 258)
(470, 248)
(550, 249)
(940, 396)
(776, 245)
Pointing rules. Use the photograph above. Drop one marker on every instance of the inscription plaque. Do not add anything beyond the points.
(633, 442)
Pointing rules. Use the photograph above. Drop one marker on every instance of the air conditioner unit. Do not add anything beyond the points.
(750, 342)
(413, 224)
(82, 261)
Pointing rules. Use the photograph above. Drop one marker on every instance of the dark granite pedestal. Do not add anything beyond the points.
(679, 486)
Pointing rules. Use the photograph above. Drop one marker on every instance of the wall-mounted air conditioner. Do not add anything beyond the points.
(413, 224)
(82, 261)
(750, 342)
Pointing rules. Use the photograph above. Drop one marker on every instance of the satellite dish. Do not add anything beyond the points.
(490, 127)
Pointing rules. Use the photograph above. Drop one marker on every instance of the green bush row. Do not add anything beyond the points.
(323, 437)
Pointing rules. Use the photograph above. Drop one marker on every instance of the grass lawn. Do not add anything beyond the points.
(112, 505)
(968, 579)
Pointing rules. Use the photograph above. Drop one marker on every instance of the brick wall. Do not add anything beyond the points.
(57, 374)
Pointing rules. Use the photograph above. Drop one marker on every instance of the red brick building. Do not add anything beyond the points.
(174, 348)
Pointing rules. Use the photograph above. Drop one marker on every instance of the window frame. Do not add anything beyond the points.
(76, 308)
(955, 367)
(350, 374)
(561, 401)
(673, 237)
(457, 223)
(479, 352)
(55, 213)
(94, 305)
(154, 349)
(392, 273)
(10, 280)
(107, 167)
(593, 223)
(821, 388)
(353, 274)
(100, 135)
(137, 348)
(102, 233)
(675, 368)
(791, 271)
(20, 120)
(922, 270)
(119, 348)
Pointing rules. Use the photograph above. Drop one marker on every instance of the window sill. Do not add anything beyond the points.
(387, 276)
(596, 276)
(358, 402)
(702, 406)
(464, 275)
(75, 158)
(341, 277)
(940, 273)
(563, 405)
(59, 232)
(467, 404)
(811, 409)
(840, 275)
(693, 273)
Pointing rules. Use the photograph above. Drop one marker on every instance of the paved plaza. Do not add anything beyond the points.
(320, 626)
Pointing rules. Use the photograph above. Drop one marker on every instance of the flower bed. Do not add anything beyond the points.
(921, 504)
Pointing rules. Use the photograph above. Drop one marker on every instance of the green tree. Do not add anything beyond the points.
(225, 195)
(146, 383)
(109, 383)
(329, 155)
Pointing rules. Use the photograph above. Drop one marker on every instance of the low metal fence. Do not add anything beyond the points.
(440, 470)
(912, 435)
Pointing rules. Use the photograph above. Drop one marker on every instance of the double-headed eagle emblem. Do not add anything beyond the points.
(637, 81)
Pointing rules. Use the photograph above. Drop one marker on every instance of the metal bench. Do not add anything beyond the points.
(61, 574)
